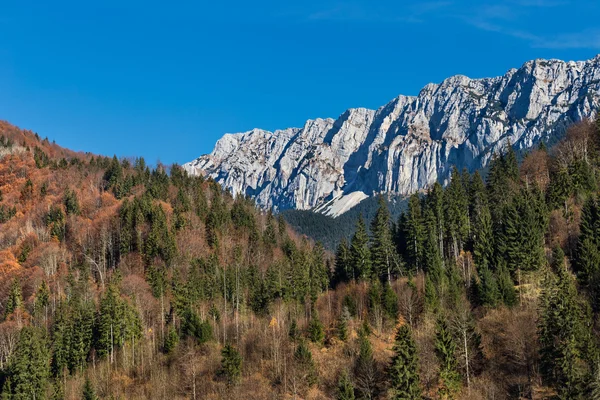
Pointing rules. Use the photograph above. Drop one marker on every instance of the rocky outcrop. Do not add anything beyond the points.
(409, 143)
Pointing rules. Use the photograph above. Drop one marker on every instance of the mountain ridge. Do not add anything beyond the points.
(407, 144)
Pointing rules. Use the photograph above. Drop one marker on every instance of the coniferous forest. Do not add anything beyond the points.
(122, 281)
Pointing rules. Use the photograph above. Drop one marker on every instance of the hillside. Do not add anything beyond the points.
(121, 281)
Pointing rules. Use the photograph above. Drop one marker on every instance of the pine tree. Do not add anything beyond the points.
(318, 278)
(385, 259)
(304, 361)
(294, 332)
(88, 390)
(29, 367)
(345, 390)
(171, 340)
(364, 368)
(456, 210)
(359, 251)
(404, 369)
(483, 237)
(389, 301)
(506, 287)
(343, 263)
(445, 349)
(231, 364)
(15, 298)
(587, 260)
(342, 327)
(71, 203)
(415, 233)
(488, 293)
(316, 332)
(563, 331)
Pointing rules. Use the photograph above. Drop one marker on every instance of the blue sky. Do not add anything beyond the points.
(166, 79)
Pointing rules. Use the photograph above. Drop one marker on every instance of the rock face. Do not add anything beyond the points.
(409, 143)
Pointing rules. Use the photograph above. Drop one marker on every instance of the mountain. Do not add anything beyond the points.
(408, 144)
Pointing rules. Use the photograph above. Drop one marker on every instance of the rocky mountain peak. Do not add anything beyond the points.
(407, 144)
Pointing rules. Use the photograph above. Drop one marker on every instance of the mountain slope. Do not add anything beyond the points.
(409, 143)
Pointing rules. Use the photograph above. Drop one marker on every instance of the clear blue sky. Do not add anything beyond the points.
(166, 79)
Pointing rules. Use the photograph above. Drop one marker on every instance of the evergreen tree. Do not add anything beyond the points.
(414, 233)
(88, 390)
(316, 332)
(71, 203)
(171, 340)
(488, 293)
(564, 335)
(231, 364)
(29, 367)
(456, 210)
(587, 260)
(304, 361)
(345, 390)
(342, 327)
(294, 332)
(483, 237)
(343, 263)
(385, 259)
(506, 287)
(364, 368)
(15, 298)
(359, 251)
(445, 349)
(389, 301)
(404, 369)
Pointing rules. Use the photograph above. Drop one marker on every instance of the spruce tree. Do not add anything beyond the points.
(345, 389)
(343, 263)
(445, 349)
(564, 335)
(385, 259)
(15, 298)
(506, 287)
(364, 368)
(456, 214)
(29, 366)
(415, 233)
(404, 369)
(88, 391)
(359, 251)
(342, 327)
(304, 361)
(231, 364)
(316, 332)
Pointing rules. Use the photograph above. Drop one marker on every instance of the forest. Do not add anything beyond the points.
(122, 281)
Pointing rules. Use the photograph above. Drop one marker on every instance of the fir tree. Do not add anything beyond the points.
(15, 298)
(359, 251)
(456, 210)
(364, 368)
(29, 367)
(304, 362)
(231, 364)
(345, 389)
(563, 333)
(316, 332)
(385, 259)
(445, 349)
(404, 369)
(88, 391)
(414, 233)
(343, 263)
(171, 340)
(342, 327)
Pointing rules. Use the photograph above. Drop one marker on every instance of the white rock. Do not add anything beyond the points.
(408, 144)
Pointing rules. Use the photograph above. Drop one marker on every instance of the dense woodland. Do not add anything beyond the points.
(122, 281)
